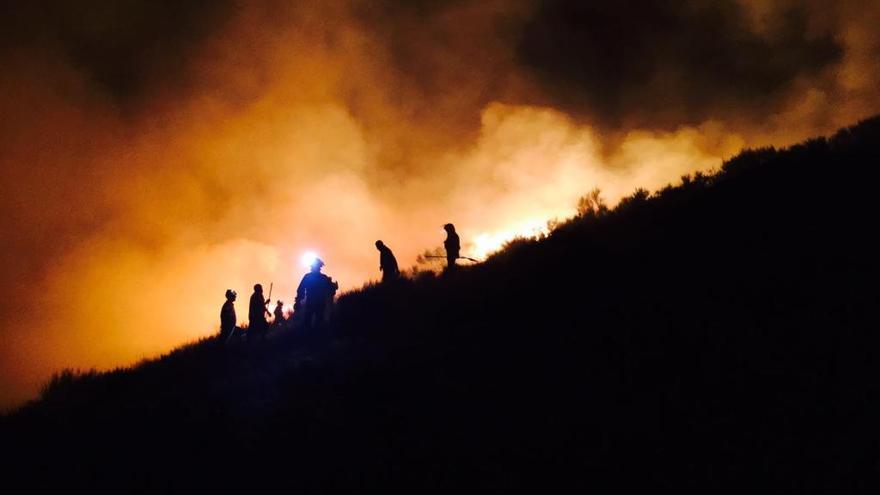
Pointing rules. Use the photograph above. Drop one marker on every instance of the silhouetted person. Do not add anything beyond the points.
(387, 263)
(315, 291)
(227, 316)
(257, 311)
(452, 245)
(279, 314)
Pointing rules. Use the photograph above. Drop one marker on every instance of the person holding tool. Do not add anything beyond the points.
(257, 312)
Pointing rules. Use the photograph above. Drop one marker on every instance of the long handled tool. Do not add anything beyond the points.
(460, 258)
(229, 337)
(269, 299)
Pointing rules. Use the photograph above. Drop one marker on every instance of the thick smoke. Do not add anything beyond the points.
(156, 153)
(670, 63)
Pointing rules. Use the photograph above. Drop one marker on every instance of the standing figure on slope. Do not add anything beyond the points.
(257, 312)
(453, 247)
(280, 320)
(314, 294)
(387, 263)
(227, 316)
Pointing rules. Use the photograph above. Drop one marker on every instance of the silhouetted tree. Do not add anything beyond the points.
(592, 204)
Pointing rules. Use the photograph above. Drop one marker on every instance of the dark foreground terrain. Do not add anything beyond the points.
(720, 335)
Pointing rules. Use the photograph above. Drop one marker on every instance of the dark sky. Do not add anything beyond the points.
(615, 62)
(665, 63)
(155, 152)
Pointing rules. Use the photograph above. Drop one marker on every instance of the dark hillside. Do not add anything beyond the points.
(718, 335)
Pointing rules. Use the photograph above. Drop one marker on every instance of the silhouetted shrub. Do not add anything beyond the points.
(638, 197)
(592, 204)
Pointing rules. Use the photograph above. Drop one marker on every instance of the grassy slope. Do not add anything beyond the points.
(720, 333)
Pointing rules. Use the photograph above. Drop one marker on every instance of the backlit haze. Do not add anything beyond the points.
(154, 154)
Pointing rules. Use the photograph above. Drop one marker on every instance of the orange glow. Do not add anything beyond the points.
(488, 243)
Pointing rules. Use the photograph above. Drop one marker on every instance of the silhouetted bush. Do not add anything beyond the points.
(592, 204)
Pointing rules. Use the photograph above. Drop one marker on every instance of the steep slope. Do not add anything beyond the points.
(717, 334)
